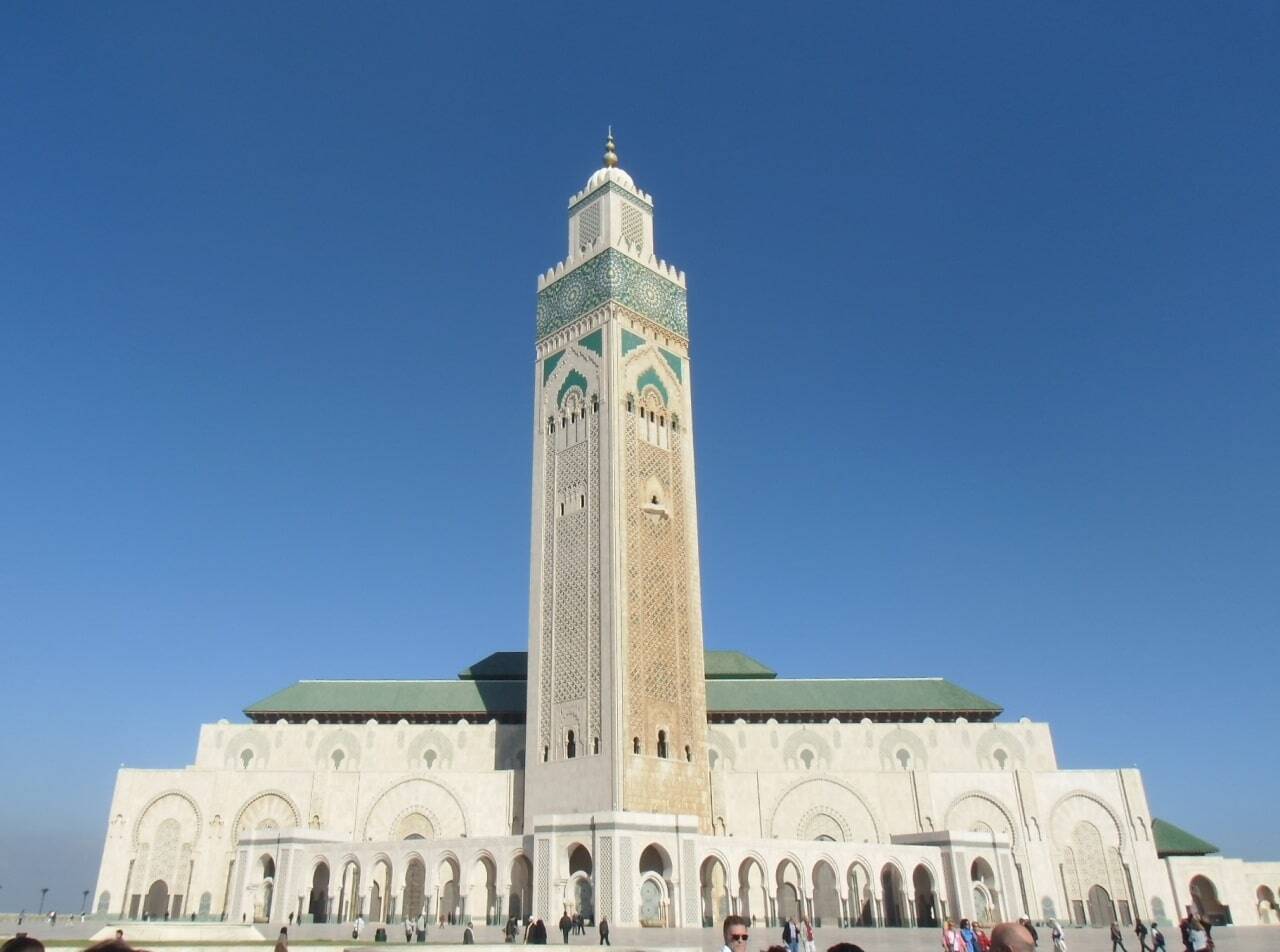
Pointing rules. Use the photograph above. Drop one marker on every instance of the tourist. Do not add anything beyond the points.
(952, 940)
(970, 940)
(408, 929)
(604, 930)
(566, 926)
(807, 934)
(539, 933)
(1011, 937)
(1055, 934)
(468, 937)
(420, 927)
(282, 941)
(844, 947)
(1117, 938)
(1031, 930)
(120, 935)
(736, 931)
(1197, 936)
(1140, 930)
(981, 938)
(22, 943)
(788, 935)
(1157, 938)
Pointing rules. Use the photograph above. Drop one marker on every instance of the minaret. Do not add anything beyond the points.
(617, 698)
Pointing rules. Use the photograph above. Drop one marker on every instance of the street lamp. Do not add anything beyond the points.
(42, 895)
(84, 901)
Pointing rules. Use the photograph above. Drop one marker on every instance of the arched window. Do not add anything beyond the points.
(712, 759)
(571, 747)
(429, 758)
(904, 758)
(662, 743)
(1000, 757)
(246, 757)
(806, 758)
(338, 756)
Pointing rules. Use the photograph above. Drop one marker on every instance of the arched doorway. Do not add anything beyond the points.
(448, 877)
(1266, 906)
(986, 897)
(380, 896)
(925, 898)
(789, 891)
(826, 895)
(655, 886)
(751, 895)
(715, 891)
(578, 894)
(894, 902)
(266, 889)
(520, 891)
(862, 907)
(318, 904)
(157, 903)
(415, 888)
(1204, 898)
(1101, 910)
(349, 892)
(482, 892)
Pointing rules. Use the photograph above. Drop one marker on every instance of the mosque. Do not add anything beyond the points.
(619, 769)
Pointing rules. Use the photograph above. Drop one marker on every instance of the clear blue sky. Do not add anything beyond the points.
(983, 301)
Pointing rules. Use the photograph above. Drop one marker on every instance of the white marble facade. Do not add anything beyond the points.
(895, 821)
(852, 832)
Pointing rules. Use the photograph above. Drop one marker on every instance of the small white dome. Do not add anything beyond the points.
(615, 175)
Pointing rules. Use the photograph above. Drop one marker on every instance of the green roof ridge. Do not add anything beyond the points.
(1173, 840)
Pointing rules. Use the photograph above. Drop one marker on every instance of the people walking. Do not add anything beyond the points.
(1157, 938)
(604, 931)
(282, 941)
(806, 929)
(1059, 940)
(967, 933)
(1140, 930)
(952, 940)
(1117, 938)
(566, 926)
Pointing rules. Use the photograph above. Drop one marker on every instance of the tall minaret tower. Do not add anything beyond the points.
(617, 701)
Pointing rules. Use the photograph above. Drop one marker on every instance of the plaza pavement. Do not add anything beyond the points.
(327, 938)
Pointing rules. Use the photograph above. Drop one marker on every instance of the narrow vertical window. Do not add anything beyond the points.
(571, 748)
(635, 745)
(595, 745)
(662, 743)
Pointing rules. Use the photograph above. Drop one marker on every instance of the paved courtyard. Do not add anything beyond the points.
(325, 938)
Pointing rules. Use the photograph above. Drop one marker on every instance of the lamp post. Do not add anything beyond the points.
(84, 901)
(43, 891)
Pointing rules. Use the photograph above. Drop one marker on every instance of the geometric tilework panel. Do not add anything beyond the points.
(626, 897)
(611, 275)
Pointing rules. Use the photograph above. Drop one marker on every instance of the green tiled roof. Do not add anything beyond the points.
(1174, 841)
(847, 695)
(734, 664)
(513, 665)
(751, 697)
(499, 666)
(395, 697)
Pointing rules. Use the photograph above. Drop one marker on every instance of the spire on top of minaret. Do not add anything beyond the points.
(610, 156)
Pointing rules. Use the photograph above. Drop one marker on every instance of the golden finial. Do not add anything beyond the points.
(610, 156)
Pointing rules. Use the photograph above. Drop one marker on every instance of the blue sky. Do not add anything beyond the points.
(983, 300)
